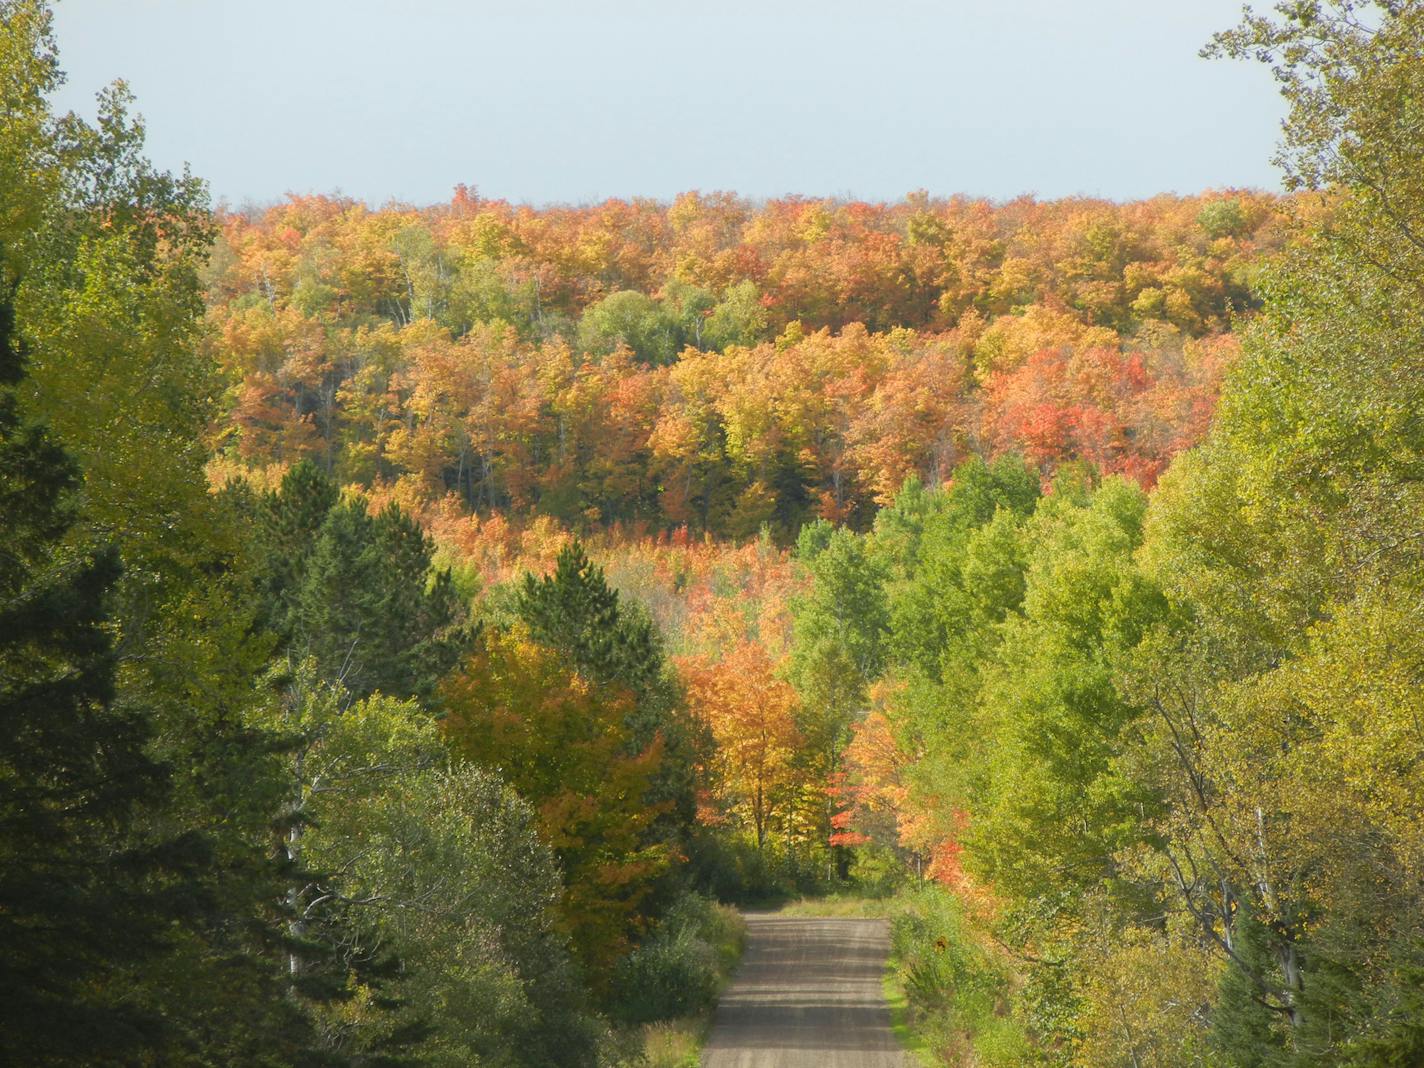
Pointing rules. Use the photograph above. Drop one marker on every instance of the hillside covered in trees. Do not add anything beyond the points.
(417, 624)
(716, 364)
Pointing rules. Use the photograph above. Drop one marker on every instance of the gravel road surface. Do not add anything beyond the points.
(808, 995)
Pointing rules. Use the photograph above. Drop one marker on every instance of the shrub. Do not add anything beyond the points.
(679, 969)
(735, 870)
(665, 977)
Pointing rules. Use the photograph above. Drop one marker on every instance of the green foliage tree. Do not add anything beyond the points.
(1244, 1029)
(925, 540)
(633, 319)
(370, 611)
(576, 612)
(356, 592)
(289, 522)
(419, 902)
(82, 894)
(737, 319)
(107, 251)
(657, 330)
(839, 646)
(1053, 810)
(481, 291)
(841, 627)
(462, 888)
(1288, 543)
(846, 610)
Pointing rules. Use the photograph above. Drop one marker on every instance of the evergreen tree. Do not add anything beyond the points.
(355, 592)
(576, 613)
(290, 519)
(1243, 1029)
(367, 609)
(134, 790)
(78, 897)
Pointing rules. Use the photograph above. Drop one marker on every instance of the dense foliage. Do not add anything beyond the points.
(232, 831)
(1164, 750)
(715, 364)
(405, 612)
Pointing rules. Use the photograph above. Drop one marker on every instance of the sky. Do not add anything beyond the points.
(573, 101)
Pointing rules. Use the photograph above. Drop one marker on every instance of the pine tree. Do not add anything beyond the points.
(420, 622)
(576, 612)
(1244, 1030)
(355, 592)
(289, 520)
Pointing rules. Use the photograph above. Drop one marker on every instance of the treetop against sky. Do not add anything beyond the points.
(557, 101)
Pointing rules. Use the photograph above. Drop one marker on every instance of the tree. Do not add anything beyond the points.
(1052, 810)
(631, 319)
(616, 363)
(752, 715)
(739, 318)
(289, 521)
(560, 738)
(872, 789)
(370, 611)
(107, 251)
(355, 591)
(416, 891)
(84, 894)
(577, 614)
(843, 621)
(452, 876)
(1285, 543)
(838, 649)
(342, 755)
(937, 613)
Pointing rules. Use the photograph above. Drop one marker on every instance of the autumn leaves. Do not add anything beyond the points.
(715, 364)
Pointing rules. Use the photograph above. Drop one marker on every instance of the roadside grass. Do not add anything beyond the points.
(849, 906)
(675, 1043)
(901, 1021)
(957, 985)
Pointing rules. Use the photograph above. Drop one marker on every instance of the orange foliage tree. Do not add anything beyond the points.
(752, 713)
(560, 740)
(848, 345)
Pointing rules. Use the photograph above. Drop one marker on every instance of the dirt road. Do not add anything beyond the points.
(808, 995)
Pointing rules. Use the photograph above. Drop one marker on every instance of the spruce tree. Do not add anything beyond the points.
(357, 593)
(576, 612)
(1244, 1030)
(289, 521)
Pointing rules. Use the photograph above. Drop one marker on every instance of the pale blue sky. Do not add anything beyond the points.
(557, 100)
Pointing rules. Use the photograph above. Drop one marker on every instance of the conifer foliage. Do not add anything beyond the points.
(355, 592)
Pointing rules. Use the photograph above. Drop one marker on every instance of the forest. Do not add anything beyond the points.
(420, 626)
